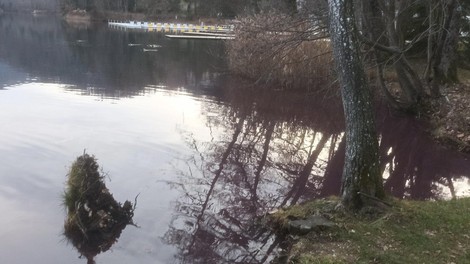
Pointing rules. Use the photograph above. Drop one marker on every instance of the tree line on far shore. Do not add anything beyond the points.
(28, 5)
(185, 8)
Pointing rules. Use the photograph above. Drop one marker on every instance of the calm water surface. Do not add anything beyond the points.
(206, 156)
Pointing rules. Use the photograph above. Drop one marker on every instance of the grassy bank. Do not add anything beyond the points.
(408, 232)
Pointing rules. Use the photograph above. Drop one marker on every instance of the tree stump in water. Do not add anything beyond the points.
(94, 219)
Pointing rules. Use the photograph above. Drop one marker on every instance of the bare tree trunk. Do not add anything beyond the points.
(409, 82)
(429, 50)
(382, 29)
(444, 64)
(448, 66)
(361, 173)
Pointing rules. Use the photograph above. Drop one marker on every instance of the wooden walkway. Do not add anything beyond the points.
(199, 37)
(169, 27)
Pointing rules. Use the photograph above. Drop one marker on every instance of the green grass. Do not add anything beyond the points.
(410, 232)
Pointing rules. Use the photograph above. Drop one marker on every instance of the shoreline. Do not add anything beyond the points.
(407, 231)
(449, 115)
(94, 16)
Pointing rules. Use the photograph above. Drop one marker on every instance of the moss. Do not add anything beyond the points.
(410, 231)
(279, 219)
(94, 219)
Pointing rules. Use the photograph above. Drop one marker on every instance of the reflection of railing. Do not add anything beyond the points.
(167, 27)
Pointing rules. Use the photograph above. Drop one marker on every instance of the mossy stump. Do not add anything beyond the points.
(94, 219)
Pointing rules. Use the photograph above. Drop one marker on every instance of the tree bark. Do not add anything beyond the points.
(430, 44)
(445, 67)
(361, 173)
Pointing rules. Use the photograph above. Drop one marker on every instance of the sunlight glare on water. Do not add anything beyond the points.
(135, 140)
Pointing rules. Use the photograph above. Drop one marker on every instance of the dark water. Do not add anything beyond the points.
(207, 155)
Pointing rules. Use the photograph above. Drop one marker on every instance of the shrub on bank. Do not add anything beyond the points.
(275, 48)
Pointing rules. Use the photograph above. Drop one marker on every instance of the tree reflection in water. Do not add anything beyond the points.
(93, 60)
(265, 156)
(269, 150)
(417, 168)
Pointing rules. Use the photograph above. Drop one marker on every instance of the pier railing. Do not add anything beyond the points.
(167, 27)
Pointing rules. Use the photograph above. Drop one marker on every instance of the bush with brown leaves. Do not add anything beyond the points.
(282, 50)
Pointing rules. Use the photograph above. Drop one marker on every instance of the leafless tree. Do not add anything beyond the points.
(362, 181)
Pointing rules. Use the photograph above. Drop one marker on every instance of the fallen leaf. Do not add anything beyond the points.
(430, 233)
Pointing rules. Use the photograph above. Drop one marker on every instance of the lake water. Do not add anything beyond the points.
(206, 154)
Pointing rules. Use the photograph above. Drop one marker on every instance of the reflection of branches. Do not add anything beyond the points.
(300, 182)
(417, 168)
(262, 162)
(225, 226)
(218, 173)
(217, 225)
(332, 176)
(259, 158)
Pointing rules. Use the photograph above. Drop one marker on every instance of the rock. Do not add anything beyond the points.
(304, 226)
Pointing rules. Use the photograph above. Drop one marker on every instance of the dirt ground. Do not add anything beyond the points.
(449, 116)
